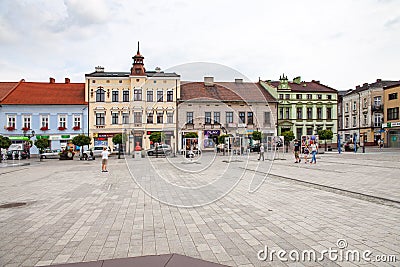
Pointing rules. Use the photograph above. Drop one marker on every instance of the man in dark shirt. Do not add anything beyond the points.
(296, 150)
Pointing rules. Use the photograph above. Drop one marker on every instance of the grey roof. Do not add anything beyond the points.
(377, 84)
(126, 74)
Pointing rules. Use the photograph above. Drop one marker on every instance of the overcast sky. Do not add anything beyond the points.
(342, 43)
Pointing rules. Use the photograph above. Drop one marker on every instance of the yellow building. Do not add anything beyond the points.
(135, 103)
(391, 115)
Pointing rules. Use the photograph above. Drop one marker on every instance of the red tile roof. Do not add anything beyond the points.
(309, 87)
(37, 93)
(6, 88)
(225, 91)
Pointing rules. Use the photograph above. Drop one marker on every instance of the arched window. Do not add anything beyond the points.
(100, 94)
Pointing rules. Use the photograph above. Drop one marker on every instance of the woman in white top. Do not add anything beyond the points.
(104, 158)
(314, 150)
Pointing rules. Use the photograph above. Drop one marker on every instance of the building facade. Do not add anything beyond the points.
(32, 110)
(391, 126)
(135, 103)
(304, 107)
(235, 108)
(363, 112)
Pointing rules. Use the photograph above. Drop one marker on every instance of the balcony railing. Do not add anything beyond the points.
(377, 107)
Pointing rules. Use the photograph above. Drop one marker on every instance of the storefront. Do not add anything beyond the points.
(392, 130)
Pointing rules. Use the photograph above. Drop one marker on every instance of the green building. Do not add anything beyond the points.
(304, 107)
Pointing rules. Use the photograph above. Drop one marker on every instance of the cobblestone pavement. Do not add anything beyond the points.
(76, 213)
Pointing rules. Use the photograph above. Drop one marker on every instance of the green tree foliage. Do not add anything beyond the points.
(5, 142)
(289, 136)
(81, 140)
(257, 135)
(191, 135)
(117, 139)
(42, 144)
(221, 138)
(325, 135)
(157, 137)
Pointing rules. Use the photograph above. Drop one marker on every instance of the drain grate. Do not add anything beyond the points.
(12, 205)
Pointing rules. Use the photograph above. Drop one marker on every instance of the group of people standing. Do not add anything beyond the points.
(307, 149)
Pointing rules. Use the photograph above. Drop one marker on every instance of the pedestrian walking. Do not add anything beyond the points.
(296, 151)
(314, 151)
(306, 152)
(380, 143)
(261, 152)
(104, 158)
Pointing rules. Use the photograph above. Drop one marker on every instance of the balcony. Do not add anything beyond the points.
(376, 108)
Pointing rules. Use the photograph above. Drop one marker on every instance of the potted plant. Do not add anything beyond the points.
(25, 129)
(10, 128)
(44, 128)
(61, 128)
(76, 128)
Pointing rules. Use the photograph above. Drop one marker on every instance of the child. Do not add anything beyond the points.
(306, 152)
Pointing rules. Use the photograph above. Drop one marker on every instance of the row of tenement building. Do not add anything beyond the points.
(139, 102)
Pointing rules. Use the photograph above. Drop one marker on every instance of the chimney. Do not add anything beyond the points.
(99, 69)
(314, 81)
(357, 87)
(208, 81)
(52, 80)
(67, 80)
(365, 84)
(158, 69)
(238, 80)
(378, 80)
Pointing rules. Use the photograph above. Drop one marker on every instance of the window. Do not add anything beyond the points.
(377, 120)
(170, 96)
(377, 100)
(309, 113)
(267, 118)
(207, 117)
(114, 118)
(62, 121)
(328, 113)
(149, 96)
(217, 117)
(77, 121)
(100, 119)
(329, 97)
(309, 96)
(319, 113)
(287, 111)
(170, 117)
(100, 95)
(125, 118)
(114, 97)
(160, 96)
(229, 117)
(354, 121)
(137, 117)
(125, 96)
(11, 119)
(280, 96)
(249, 117)
(44, 121)
(347, 122)
(298, 96)
(354, 105)
(365, 119)
(319, 96)
(346, 109)
(150, 116)
(365, 102)
(26, 121)
(160, 117)
(299, 132)
(393, 113)
(309, 131)
(137, 95)
(281, 113)
(392, 96)
(189, 117)
(299, 113)
(287, 96)
(242, 117)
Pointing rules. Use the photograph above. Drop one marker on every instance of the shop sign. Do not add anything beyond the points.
(105, 135)
(65, 136)
(212, 132)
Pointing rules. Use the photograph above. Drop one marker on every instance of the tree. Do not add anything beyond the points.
(289, 136)
(325, 135)
(157, 137)
(257, 135)
(5, 142)
(191, 135)
(117, 139)
(81, 140)
(221, 138)
(42, 144)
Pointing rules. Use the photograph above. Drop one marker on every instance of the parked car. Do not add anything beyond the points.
(67, 154)
(17, 153)
(93, 152)
(51, 154)
(255, 148)
(162, 149)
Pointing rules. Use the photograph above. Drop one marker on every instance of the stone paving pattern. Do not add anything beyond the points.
(76, 213)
